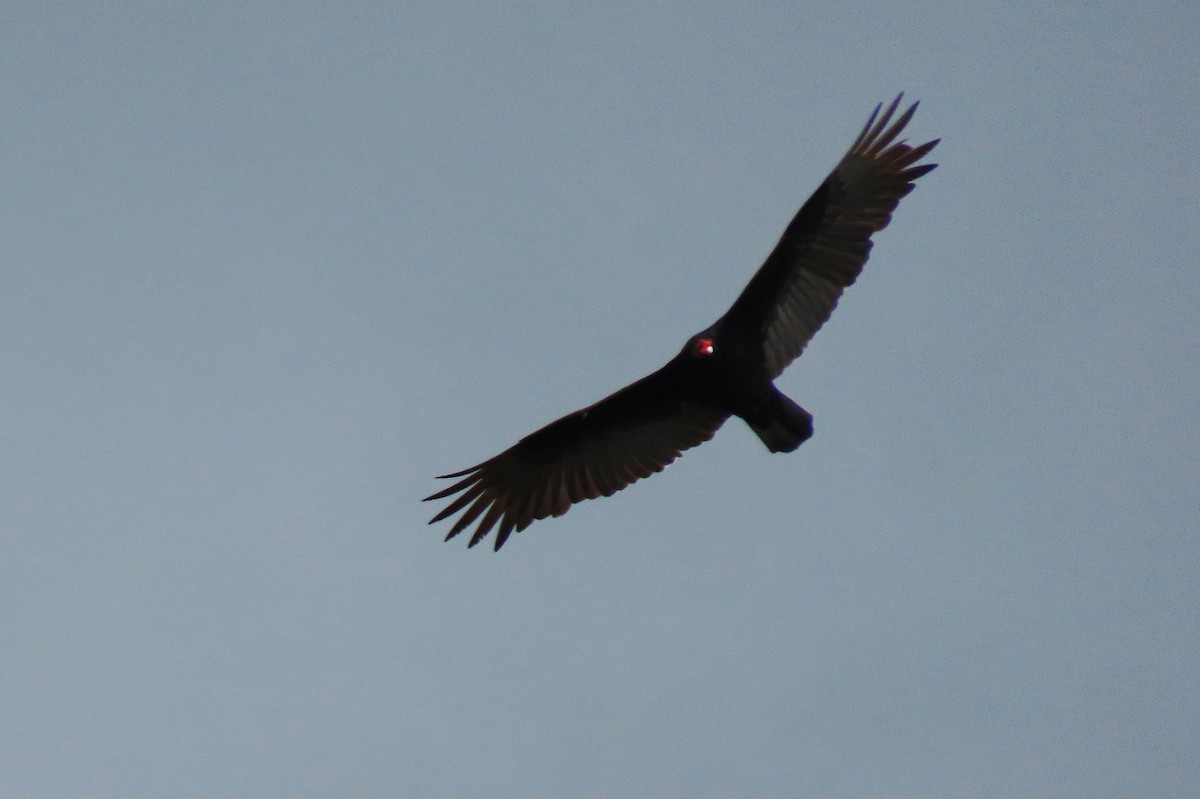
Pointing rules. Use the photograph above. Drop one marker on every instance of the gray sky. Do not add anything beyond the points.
(267, 270)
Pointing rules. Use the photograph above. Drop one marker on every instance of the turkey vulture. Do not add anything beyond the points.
(725, 370)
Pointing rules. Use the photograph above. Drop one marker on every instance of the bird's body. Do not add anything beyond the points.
(726, 370)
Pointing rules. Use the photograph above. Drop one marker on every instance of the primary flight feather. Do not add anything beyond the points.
(725, 370)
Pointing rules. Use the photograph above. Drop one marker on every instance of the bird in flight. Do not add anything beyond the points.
(725, 370)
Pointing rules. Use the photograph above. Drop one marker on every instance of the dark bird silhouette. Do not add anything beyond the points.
(725, 370)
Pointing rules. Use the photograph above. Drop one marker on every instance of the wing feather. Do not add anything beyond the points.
(593, 452)
(824, 248)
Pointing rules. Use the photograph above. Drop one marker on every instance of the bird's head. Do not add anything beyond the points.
(701, 346)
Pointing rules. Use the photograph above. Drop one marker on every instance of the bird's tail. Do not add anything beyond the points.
(784, 427)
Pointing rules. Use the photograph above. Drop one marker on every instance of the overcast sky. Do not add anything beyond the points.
(265, 270)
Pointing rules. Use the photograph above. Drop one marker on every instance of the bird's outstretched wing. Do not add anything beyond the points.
(825, 246)
(593, 452)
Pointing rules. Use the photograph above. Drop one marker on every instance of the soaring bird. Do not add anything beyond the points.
(722, 371)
